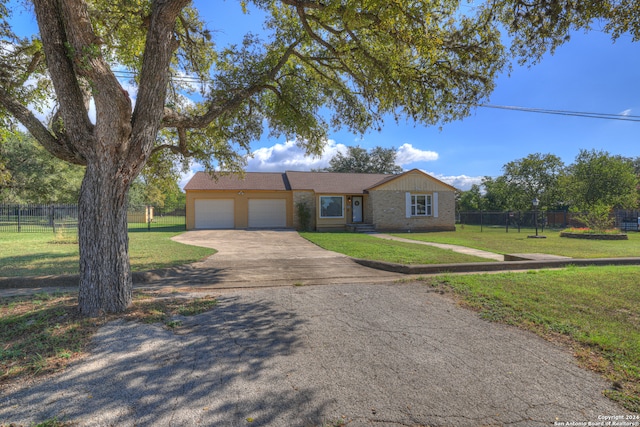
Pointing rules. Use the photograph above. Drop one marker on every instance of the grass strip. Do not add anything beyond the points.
(496, 239)
(42, 254)
(593, 309)
(373, 248)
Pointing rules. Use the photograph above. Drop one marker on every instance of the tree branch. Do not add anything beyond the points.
(154, 79)
(304, 4)
(55, 146)
(64, 80)
(219, 107)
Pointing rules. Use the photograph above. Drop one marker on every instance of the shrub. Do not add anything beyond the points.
(304, 216)
(597, 218)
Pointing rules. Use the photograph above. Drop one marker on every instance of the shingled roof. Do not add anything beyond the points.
(267, 181)
(319, 182)
(332, 182)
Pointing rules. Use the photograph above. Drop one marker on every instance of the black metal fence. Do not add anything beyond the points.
(61, 218)
(626, 220)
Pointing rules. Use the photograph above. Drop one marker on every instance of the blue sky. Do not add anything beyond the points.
(589, 74)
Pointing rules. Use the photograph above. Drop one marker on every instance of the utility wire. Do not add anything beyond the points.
(605, 116)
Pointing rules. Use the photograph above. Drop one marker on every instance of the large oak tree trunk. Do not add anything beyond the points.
(105, 273)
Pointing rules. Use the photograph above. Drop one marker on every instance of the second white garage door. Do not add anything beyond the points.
(214, 213)
(267, 213)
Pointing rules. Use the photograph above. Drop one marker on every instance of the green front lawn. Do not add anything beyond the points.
(373, 248)
(596, 307)
(40, 254)
(495, 239)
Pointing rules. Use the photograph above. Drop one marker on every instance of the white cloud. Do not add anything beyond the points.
(289, 156)
(461, 182)
(626, 112)
(407, 154)
(186, 176)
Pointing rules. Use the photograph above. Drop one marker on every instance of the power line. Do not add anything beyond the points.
(605, 116)
(590, 115)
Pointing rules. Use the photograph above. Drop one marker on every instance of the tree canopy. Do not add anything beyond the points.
(359, 160)
(319, 65)
(540, 26)
(534, 177)
(599, 178)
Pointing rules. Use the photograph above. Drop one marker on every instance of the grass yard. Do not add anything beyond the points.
(42, 334)
(372, 248)
(40, 254)
(594, 309)
(495, 239)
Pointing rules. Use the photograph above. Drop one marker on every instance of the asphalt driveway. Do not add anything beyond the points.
(257, 258)
(353, 355)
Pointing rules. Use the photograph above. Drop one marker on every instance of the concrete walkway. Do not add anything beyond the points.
(460, 249)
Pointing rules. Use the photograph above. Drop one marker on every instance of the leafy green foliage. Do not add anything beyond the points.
(598, 218)
(304, 215)
(157, 184)
(357, 62)
(359, 160)
(540, 26)
(32, 175)
(594, 184)
(470, 200)
(535, 176)
(498, 195)
(598, 178)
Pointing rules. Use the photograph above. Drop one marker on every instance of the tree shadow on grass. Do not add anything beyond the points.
(224, 367)
(38, 264)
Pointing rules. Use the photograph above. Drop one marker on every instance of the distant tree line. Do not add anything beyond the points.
(29, 174)
(594, 184)
(359, 160)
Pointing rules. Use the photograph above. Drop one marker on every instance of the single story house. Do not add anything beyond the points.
(410, 201)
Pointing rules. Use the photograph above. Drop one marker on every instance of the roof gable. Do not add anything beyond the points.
(415, 173)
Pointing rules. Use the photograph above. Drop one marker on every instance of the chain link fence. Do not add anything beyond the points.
(60, 218)
(625, 220)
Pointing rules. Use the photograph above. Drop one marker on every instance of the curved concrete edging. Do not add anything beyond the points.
(494, 266)
(143, 277)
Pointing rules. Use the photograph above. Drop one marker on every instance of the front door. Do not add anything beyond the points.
(356, 208)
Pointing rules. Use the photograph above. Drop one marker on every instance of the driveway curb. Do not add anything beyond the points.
(145, 277)
(480, 267)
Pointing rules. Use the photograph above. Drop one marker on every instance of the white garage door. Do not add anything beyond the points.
(267, 213)
(214, 213)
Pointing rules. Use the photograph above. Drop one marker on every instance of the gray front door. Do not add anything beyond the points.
(356, 208)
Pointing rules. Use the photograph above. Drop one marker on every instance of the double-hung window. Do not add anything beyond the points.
(421, 205)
